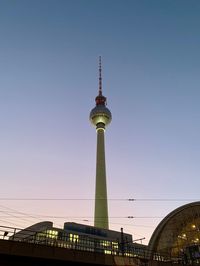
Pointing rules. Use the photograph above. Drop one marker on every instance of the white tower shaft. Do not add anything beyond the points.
(101, 206)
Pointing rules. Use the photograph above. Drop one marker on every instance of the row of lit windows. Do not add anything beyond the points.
(81, 242)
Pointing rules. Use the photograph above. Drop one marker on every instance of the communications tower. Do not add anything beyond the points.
(100, 116)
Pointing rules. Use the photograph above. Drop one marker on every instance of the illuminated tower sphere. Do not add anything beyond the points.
(100, 116)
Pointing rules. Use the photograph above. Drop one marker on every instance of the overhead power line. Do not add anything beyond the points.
(83, 217)
(88, 199)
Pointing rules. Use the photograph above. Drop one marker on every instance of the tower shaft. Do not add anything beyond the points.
(101, 205)
(100, 116)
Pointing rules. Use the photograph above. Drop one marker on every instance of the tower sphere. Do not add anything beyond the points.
(100, 114)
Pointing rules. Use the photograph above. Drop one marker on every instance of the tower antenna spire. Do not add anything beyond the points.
(100, 77)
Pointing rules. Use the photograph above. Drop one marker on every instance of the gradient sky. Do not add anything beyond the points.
(49, 53)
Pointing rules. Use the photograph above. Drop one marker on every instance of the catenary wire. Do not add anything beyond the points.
(90, 199)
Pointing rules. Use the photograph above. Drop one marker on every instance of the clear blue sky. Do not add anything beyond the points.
(48, 81)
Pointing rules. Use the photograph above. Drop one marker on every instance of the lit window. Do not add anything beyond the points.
(115, 245)
(107, 252)
(105, 243)
(73, 238)
(127, 254)
(52, 233)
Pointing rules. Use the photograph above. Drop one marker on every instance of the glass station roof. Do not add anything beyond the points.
(177, 231)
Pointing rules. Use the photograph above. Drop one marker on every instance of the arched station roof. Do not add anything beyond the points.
(178, 230)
